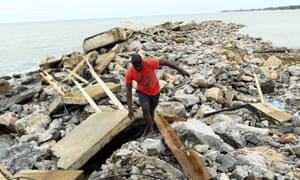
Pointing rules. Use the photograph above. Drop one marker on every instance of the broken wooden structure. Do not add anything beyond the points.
(267, 108)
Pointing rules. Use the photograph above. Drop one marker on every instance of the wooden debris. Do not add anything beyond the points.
(4, 173)
(103, 61)
(268, 108)
(188, 159)
(77, 76)
(87, 97)
(94, 91)
(89, 137)
(50, 175)
(272, 111)
(49, 79)
(105, 88)
(258, 89)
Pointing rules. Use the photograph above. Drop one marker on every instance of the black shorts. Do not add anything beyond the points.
(153, 100)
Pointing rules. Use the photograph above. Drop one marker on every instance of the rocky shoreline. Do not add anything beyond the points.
(235, 144)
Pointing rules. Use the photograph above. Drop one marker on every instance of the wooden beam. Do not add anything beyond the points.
(187, 158)
(95, 91)
(87, 97)
(272, 111)
(4, 173)
(50, 175)
(105, 88)
(93, 133)
(103, 61)
(261, 96)
(49, 79)
(77, 76)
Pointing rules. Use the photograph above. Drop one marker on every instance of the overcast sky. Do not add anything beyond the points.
(40, 10)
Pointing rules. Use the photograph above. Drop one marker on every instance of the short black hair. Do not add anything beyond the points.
(136, 59)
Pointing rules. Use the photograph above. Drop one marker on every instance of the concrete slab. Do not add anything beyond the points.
(89, 137)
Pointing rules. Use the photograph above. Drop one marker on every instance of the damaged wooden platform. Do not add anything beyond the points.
(89, 137)
(76, 97)
(190, 162)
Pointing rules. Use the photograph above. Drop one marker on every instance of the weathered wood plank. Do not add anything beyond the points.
(49, 79)
(190, 162)
(87, 97)
(50, 175)
(89, 137)
(103, 61)
(104, 87)
(95, 91)
(272, 111)
(4, 173)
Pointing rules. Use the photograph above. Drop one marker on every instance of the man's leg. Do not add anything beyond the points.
(145, 104)
(147, 116)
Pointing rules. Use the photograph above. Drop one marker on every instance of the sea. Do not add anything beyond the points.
(24, 45)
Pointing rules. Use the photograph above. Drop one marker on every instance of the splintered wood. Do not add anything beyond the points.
(188, 159)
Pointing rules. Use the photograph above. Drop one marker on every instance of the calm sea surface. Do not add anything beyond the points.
(24, 45)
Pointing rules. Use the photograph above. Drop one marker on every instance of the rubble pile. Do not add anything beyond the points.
(35, 112)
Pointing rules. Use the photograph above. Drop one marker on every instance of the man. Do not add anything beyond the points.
(143, 72)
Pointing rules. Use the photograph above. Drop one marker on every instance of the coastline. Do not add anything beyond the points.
(221, 62)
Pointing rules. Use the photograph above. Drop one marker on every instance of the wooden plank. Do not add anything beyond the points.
(103, 61)
(49, 79)
(105, 88)
(95, 91)
(261, 96)
(87, 97)
(89, 137)
(50, 175)
(77, 76)
(187, 158)
(4, 173)
(272, 111)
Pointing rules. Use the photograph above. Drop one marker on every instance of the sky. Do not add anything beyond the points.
(42, 10)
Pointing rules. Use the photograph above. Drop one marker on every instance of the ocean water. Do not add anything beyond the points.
(24, 45)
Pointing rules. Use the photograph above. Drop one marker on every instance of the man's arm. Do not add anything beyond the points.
(174, 66)
(129, 99)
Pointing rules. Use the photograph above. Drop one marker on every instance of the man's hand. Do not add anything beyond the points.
(131, 112)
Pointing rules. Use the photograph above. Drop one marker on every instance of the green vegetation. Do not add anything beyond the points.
(266, 9)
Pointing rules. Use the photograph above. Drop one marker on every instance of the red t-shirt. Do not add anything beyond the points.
(146, 79)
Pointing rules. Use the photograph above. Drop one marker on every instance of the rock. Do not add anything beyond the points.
(171, 109)
(4, 86)
(33, 123)
(153, 146)
(197, 132)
